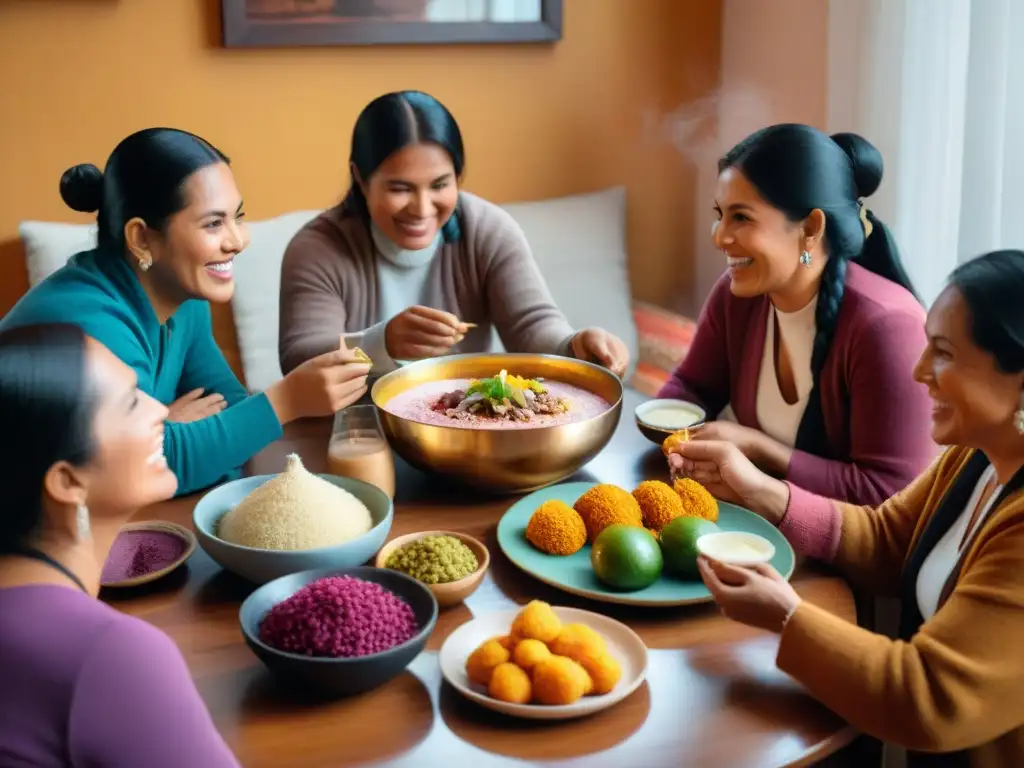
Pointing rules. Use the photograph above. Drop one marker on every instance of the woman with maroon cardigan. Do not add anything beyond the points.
(813, 333)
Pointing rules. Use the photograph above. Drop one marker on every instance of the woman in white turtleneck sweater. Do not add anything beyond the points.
(409, 267)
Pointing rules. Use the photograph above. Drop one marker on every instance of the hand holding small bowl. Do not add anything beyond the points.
(757, 596)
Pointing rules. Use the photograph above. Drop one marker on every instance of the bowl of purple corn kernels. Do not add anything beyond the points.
(339, 632)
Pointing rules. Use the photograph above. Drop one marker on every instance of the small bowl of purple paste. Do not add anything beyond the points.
(146, 551)
(339, 632)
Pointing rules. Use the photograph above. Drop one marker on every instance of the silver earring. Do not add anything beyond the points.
(1018, 417)
(805, 258)
(145, 265)
(82, 522)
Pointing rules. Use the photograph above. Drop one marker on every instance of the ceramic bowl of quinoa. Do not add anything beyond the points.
(338, 632)
(276, 540)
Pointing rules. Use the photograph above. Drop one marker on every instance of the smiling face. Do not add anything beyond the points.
(973, 401)
(128, 469)
(761, 244)
(412, 194)
(193, 257)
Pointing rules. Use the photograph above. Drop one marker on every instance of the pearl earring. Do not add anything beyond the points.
(805, 258)
(145, 265)
(1018, 417)
(82, 522)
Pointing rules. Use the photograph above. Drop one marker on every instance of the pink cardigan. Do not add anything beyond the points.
(877, 418)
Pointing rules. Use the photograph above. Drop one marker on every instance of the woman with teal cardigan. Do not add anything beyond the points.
(170, 223)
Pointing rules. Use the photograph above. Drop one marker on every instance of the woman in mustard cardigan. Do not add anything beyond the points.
(951, 546)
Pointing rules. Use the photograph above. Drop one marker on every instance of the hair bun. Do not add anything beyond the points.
(81, 187)
(866, 160)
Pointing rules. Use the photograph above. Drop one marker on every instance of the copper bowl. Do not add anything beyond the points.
(500, 460)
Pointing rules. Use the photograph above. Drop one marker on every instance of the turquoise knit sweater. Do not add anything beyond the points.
(101, 294)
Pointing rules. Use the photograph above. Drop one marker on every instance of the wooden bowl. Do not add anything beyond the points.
(452, 592)
(157, 526)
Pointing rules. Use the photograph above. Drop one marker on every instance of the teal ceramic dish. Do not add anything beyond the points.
(573, 574)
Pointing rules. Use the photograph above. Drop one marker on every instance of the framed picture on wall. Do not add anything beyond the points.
(269, 23)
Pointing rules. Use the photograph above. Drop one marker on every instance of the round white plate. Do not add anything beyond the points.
(623, 643)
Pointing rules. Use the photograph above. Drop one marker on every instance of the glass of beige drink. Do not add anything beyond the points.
(358, 448)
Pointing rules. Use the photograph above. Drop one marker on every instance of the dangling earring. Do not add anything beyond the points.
(145, 265)
(805, 258)
(1018, 417)
(82, 522)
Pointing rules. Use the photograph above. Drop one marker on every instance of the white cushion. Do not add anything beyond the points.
(49, 245)
(256, 303)
(579, 243)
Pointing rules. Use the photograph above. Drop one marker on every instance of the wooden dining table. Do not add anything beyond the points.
(712, 696)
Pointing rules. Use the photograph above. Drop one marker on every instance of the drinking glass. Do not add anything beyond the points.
(358, 448)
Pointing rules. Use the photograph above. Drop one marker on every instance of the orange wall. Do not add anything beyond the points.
(78, 75)
(775, 59)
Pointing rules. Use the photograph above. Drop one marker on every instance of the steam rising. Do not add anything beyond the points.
(703, 129)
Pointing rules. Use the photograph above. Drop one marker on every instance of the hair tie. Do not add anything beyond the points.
(864, 220)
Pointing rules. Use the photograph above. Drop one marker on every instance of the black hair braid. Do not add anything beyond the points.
(811, 436)
(830, 300)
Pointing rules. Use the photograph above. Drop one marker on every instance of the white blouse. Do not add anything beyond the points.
(941, 561)
(778, 419)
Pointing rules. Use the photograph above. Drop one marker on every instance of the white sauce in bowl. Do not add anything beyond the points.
(736, 547)
(669, 414)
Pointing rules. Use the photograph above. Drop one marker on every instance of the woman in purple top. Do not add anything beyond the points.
(83, 685)
(813, 332)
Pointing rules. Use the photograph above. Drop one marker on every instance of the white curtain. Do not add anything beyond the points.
(483, 10)
(938, 87)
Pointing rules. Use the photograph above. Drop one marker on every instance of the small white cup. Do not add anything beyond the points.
(736, 548)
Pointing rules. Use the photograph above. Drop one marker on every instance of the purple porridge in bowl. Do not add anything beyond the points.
(504, 401)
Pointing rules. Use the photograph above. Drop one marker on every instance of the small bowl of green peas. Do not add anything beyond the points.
(449, 563)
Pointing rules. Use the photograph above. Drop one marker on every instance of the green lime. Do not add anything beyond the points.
(626, 557)
(679, 543)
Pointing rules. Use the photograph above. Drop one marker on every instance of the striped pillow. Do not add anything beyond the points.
(665, 338)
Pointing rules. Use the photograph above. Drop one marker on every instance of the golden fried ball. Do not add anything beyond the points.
(673, 440)
(604, 671)
(697, 500)
(605, 505)
(510, 683)
(559, 681)
(556, 528)
(482, 662)
(505, 641)
(537, 621)
(529, 653)
(659, 503)
(578, 642)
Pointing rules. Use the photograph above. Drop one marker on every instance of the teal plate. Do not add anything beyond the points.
(574, 575)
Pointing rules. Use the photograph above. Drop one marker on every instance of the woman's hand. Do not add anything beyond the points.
(422, 332)
(319, 387)
(597, 345)
(757, 596)
(730, 476)
(768, 454)
(193, 406)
